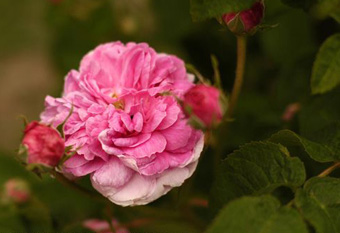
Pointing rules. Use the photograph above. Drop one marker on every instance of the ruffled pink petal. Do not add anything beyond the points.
(155, 144)
(113, 174)
(81, 167)
(177, 135)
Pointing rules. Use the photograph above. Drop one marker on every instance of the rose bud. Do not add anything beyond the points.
(202, 103)
(245, 22)
(44, 144)
(291, 111)
(102, 226)
(17, 191)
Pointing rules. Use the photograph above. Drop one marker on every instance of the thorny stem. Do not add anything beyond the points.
(329, 170)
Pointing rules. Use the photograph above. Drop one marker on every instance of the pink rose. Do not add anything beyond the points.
(102, 226)
(44, 144)
(245, 22)
(133, 141)
(203, 102)
(17, 190)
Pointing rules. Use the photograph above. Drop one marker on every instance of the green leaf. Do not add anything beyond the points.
(326, 149)
(205, 9)
(319, 112)
(257, 215)
(335, 14)
(305, 4)
(319, 202)
(326, 8)
(256, 168)
(326, 69)
(10, 222)
(37, 216)
(168, 226)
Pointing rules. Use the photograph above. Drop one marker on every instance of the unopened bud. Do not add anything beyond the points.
(17, 191)
(44, 144)
(245, 22)
(202, 103)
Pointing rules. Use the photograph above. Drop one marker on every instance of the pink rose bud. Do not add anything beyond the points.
(291, 111)
(101, 226)
(203, 102)
(17, 191)
(44, 144)
(245, 22)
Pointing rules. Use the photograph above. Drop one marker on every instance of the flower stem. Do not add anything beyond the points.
(240, 67)
(241, 61)
(63, 180)
(322, 174)
(329, 170)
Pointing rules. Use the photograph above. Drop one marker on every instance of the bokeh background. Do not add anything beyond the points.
(41, 40)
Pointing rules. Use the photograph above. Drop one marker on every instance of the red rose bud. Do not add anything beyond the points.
(203, 103)
(245, 22)
(44, 144)
(17, 191)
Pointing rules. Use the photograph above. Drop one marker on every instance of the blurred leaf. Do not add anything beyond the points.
(256, 168)
(293, 82)
(76, 228)
(319, 112)
(205, 9)
(257, 215)
(305, 4)
(167, 226)
(37, 216)
(327, 149)
(10, 222)
(326, 69)
(336, 14)
(294, 31)
(326, 8)
(256, 118)
(319, 202)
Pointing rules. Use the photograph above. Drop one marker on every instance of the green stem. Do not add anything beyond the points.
(63, 180)
(322, 174)
(240, 67)
(329, 170)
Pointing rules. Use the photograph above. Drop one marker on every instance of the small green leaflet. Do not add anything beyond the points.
(319, 202)
(326, 69)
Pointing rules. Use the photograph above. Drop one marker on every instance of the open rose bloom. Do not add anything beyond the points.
(133, 140)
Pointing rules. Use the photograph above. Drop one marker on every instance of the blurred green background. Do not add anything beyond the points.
(41, 40)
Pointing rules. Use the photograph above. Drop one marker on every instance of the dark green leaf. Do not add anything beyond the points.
(319, 202)
(326, 149)
(319, 112)
(256, 168)
(257, 215)
(326, 69)
(325, 8)
(37, 216)
(305, 4)
(205, 9)
(295, 30)
(10, 222)
(166, 227)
